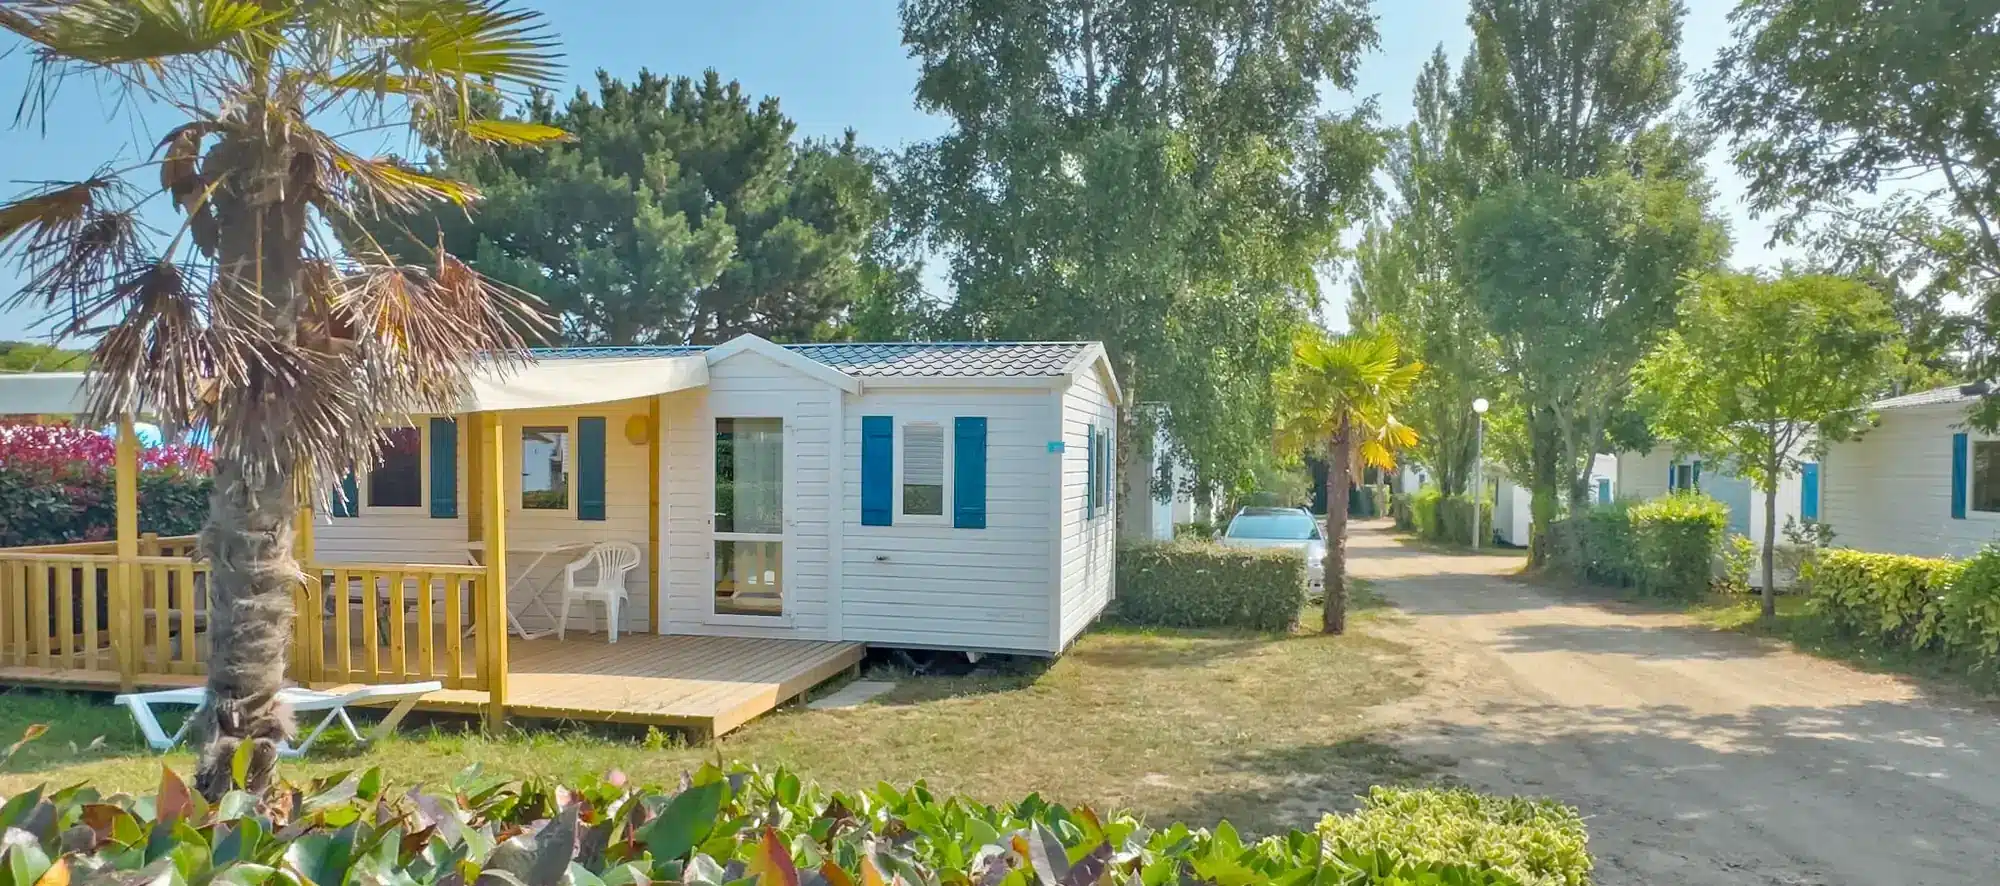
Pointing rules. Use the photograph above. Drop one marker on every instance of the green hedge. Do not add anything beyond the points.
(1534, 840)
(1447, 518)
(1402, 509)
(1191, 584)
(1890, 599)
(748, 826)
(1665, 547)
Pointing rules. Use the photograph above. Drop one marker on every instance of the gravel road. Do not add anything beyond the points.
(1697, 757)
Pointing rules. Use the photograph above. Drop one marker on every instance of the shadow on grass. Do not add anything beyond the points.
(1294, 786)
(1806, 631)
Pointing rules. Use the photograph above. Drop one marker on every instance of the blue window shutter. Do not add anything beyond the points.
(347, 501)
(444, 468)
(1809, 491)
(878, 463)
(590, 468)
(1670, 476)
(1090, 477)
(1958, 466)
(1603, 491)
(968, 493)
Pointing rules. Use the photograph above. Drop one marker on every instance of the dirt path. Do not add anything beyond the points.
(1698, 757)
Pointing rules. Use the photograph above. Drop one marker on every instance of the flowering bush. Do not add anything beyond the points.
(56, 486)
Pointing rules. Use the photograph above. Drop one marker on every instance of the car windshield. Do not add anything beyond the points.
(1294, 526)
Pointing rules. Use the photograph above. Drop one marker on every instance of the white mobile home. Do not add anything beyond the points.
(1646, 475)
(1922, 481)
(1512, 503)
(762, 511)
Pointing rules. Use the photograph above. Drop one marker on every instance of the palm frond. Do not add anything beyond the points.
(514, 133)
(470, 40)
(160, 353)
(112, 32)
(393, 183)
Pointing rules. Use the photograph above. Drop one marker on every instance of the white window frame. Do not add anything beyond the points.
(948, 430)
(363, 478)
(520, 490)
(749, 408)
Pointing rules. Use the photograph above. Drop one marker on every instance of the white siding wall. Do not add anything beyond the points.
(928, 584)
(410, 535)
(1643, 476)
(1088, 544)
(747, 385)
(1890, 490)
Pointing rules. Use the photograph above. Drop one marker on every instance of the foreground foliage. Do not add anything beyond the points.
(56, 486)
(1197, 584)
(746, 825)
(1447, 518)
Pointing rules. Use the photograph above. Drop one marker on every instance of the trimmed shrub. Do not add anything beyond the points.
(1199, 530)
(1403, 511)
(1447, 518)
(56, 486)
(1538, 842)
(1676, 540)
(744, 825)
(1185, 584)
(1887, 598)
(1971, 616)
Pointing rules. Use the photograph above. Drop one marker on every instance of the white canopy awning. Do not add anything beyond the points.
(41, 393)
(543, 385)
(571, 382)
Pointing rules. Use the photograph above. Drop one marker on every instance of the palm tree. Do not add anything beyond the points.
(1339, 396)
(267, 315)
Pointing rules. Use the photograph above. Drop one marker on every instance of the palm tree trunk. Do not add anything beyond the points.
(261, 224)
(1333, 569)
(248, 540)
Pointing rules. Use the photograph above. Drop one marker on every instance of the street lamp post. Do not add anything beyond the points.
(1479, 407)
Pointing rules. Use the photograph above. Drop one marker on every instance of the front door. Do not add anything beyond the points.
(749, 567)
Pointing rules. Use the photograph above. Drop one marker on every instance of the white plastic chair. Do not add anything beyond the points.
(613, 560)
(299, 699)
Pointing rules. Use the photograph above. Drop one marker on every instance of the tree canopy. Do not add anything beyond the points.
(1765, 372)
(681, 210)
(1164, 179)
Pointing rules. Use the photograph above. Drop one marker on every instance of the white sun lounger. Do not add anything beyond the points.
(301, 701)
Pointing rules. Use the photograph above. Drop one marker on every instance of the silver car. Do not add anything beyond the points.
(1282, 528)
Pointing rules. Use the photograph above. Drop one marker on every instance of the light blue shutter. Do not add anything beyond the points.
(968, 492)
(1809, 491)
(1958, 470)
(444, 468)
(1090, 477)
(878, 463)
(1670, 476)
(1603, 491)
(590, 468)
(347, 499)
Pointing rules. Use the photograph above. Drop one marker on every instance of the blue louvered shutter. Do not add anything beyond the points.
(347, 500)
(1090, 477)
(1958, 471)
(968, 491)
(444, 468)
(1670, 476)
(590, 468)
(878, 464)
(1809, 491)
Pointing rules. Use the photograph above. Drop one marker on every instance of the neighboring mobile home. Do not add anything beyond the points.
(1512, 503)
(950, 496)
(1922, 481)
(1647, 475)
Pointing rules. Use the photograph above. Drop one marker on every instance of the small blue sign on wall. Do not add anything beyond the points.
(1055, 445)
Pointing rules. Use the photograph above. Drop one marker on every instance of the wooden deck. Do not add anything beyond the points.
(709, 685)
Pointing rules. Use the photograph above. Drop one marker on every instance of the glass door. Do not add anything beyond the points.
(749, 516)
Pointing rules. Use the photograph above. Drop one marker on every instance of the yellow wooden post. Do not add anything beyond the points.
(311, 656)
(127, 618)
(493, 525)
(653, 514)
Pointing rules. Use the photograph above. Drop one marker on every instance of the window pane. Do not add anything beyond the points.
(749, 577)
(545, 468)
(1986, 476)
(923, 469)
(397, 481)
(749, 475)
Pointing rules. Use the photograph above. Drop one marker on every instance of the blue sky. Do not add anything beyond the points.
(834, 65)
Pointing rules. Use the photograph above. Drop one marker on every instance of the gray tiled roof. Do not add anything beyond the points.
(1933, 397)
(980, 359)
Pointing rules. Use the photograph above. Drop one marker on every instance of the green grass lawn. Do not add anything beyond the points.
(1265, 731)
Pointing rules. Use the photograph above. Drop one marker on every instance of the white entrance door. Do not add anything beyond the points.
(749, 562)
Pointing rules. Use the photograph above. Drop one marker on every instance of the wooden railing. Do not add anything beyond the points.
(94, 618)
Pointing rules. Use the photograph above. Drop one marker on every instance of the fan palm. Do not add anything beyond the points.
(266, 315)
(1339, 397)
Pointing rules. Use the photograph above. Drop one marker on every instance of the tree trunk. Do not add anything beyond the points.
(1544, 487)
(248, 540)
(1770, 541)
(261, 223)
(1333, 569)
